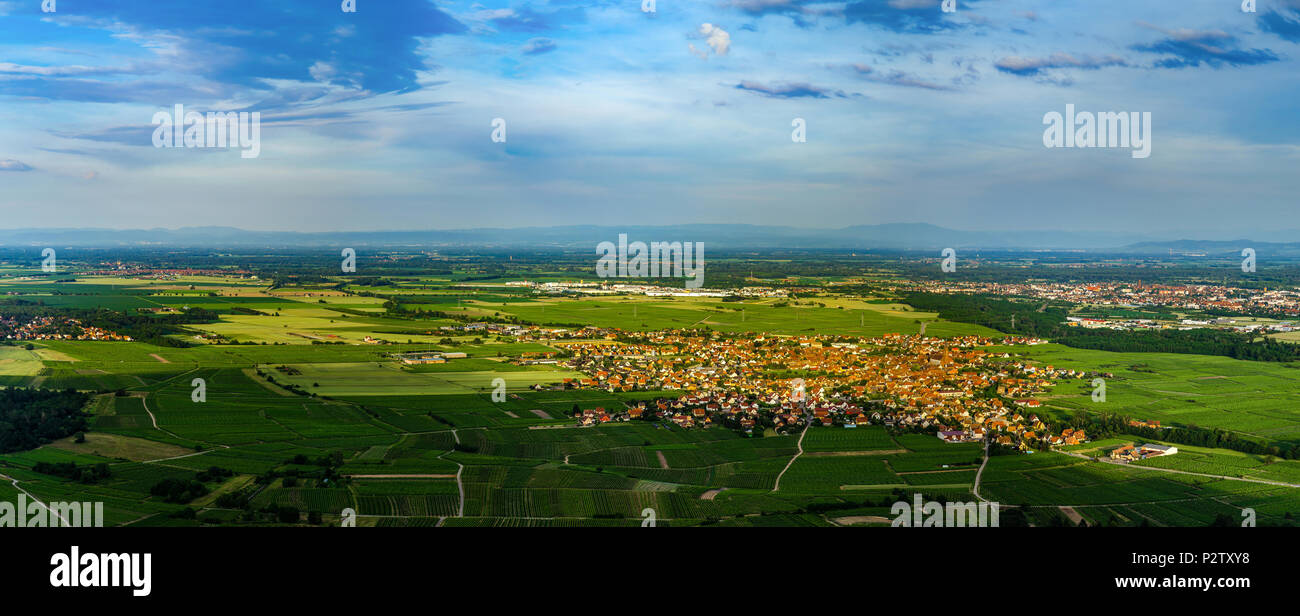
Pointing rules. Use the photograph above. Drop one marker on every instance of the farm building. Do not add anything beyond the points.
(1150, 450)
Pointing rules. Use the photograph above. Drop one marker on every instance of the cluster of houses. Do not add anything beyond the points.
(952, 386)
(1129, 295)
(55, 328)
(1145, 423)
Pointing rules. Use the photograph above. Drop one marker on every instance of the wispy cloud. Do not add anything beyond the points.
(896, 77)
(1018, 65)
(789, 90)
(538, 46)
(14, 165)
(904, 16)
(1187, 47)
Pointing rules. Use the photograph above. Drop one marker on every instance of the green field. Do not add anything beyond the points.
(327, 427)
(389, 379)
(1253, 398)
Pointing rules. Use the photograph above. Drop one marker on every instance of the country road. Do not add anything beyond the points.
(980, 473)
(33, 497)
(777, 485)
(1170, 470)
(460, 485)
(144, 401)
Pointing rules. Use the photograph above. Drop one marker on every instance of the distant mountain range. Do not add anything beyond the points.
(731, 237)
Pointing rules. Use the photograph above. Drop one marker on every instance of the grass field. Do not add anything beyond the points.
(411, 439)
(1253, 398)
(764, 316)
(389, 379)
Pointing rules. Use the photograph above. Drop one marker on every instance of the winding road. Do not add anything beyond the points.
(777, 485)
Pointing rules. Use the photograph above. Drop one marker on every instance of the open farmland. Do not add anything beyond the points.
(302, 414)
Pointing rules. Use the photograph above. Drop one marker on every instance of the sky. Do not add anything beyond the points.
(615, 114)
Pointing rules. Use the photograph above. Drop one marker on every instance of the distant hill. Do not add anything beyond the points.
(1216, 248)
(896, 236)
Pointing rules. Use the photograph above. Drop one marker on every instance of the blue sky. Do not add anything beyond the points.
(382, 118)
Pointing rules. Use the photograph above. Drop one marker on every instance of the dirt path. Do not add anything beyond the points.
(160, 358)
(188, 455)
(1072, 514)
(460, 484)
(872, 452)
(860, 519)
(980, 473)
(663, 461)
(777, 486)
(1170, 470)
(33, 497)
(410, 476)
(540, 413)
(144, 401)
(947, 470)
(709, 495)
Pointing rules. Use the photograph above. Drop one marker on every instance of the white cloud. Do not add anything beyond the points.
(321, 71)
(717, 38)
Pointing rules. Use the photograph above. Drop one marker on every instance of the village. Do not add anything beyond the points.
(1207, 297)
(953, 388)
(54, 328)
